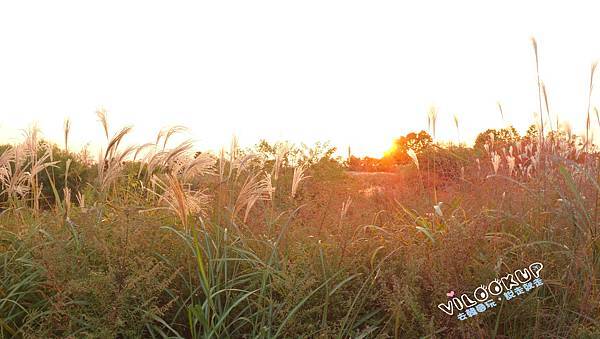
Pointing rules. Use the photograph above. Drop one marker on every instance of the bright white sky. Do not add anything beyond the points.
(355, 73)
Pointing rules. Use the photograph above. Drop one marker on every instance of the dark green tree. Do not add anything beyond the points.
(497, 137)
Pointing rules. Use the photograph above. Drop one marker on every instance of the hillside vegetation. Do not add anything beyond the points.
(160, 241)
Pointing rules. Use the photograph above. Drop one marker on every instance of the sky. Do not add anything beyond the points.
(355, 73)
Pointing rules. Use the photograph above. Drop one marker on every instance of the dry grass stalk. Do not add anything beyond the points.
(110, 168)
(102, 117)
(233, 153)
(80, 199)
(67, 200)
(202, 164)
(432, 120)
(243, 164)
(413, 156)
(500, 110)
(183, 202)
(19, 170)
(298, 177)
(280, 154)
(457, 128)
(115, 141)
(539, 84)
(171, 132)
(496, 160)
(547, 106)
(253, 190)
(221, 165)
(67, 131)
(588, 120)
(140, 149)
(345, 208)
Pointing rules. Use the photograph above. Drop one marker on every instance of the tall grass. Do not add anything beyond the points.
(279, 242)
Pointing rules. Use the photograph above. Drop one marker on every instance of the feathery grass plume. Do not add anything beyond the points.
(457, 128)
(280, 153)
(80, 199)
(233, 153)
(545, 93)
(171, 157)
(298, 177)
(65, 186)
(349, 153)
(431, 119)
(588, 120)
(184, 202)
(171, 132)
(496, 160)
(190, 167)
(13, 175)
(109, 169)
(102, 168)
(31, 141)
(115, 141)
(179, 160)
(243, 164)
(143, 161)
(153, 162)
(438, 209)
(6, 158)
(110, 162)
(499, 104)
(510, 160)
(253, 190)
(67, 130)
(37, 165)
(269, 185)
(102, 117)
(345, 207)
(146, 162)
(140, 149)
(537, 70)
(67, 200)
(8, 185)
(159, 136)
(413, 156)
(221, 165)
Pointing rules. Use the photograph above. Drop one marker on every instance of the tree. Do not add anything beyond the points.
(497, 137)
(418, 142)
(532, 135)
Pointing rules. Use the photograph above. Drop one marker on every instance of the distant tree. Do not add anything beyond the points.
(368, 164)
(264, 147)
(532, 135)
(499, 137)
(418, 142)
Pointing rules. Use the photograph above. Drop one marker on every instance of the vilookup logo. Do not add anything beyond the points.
(485, 297)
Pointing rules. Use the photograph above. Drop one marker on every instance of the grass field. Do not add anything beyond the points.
(282, 241)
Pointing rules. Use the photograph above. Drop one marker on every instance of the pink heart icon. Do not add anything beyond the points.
(450, 294)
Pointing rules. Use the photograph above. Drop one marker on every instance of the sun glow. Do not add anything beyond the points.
(390, 151)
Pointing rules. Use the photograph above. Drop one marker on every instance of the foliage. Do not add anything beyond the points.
(497, 137)
(418, 142)
(283, 241)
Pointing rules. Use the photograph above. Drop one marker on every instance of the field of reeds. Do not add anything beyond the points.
(282, 241)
